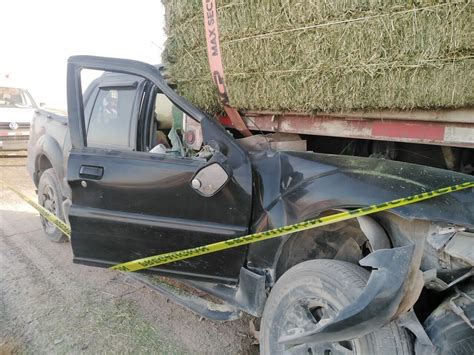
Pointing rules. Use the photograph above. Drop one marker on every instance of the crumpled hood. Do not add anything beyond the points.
(309, 183)
(11, 114)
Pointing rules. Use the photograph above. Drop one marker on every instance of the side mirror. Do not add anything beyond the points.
(210, 179)
(42, 104)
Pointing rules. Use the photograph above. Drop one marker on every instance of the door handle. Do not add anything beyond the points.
(91, 172)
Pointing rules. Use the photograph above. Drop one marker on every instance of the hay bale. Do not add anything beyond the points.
(321, 55)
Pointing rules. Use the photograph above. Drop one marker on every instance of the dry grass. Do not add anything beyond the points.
(9, 347)
(322, 55)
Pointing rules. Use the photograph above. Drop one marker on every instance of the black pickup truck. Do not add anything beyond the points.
(136, 171)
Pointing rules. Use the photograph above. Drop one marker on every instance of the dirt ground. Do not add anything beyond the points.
(50, 305)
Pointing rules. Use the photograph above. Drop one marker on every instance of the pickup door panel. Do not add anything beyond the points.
(144, 205)
(129, 205)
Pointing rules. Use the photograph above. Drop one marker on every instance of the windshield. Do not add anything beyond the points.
(17, 98)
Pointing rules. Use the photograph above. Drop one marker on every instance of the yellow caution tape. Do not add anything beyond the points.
(51, 217)
(170, 257)
(166, 258)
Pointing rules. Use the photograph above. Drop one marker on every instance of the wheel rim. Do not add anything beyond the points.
(48, 201)
(304, 314)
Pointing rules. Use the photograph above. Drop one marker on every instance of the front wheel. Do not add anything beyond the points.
(316, 290)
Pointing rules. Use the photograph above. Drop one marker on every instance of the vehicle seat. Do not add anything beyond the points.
(158, 136)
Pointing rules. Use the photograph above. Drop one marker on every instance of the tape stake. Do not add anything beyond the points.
(166, 258)
(215, 63)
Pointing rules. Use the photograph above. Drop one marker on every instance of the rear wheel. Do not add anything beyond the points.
(51, 198)
(315, 290)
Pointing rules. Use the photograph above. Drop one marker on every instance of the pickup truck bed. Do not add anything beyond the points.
(48, 147)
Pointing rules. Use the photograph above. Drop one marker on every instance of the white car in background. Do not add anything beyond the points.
(17, 109)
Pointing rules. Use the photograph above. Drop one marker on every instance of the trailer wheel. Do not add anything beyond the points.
(449, 333)
(315, 290)
(50, 197)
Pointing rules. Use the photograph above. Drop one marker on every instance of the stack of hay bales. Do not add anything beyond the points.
(326, 55)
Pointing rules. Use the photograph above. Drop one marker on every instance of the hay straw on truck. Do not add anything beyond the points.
(310, 56)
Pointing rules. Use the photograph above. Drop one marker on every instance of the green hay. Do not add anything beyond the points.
(322, 55)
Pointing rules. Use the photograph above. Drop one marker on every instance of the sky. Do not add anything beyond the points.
(37, 37)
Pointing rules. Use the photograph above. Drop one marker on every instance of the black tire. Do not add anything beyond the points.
(51, 198)
(449, 333)
(327, 286)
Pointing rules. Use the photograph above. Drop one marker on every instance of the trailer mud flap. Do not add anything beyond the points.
(376, 306)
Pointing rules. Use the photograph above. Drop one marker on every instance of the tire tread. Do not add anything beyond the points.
(390, 339)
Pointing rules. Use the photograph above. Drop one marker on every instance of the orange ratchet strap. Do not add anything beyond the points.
(215, 64)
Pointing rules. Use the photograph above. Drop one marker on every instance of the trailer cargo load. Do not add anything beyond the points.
(326, 56)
